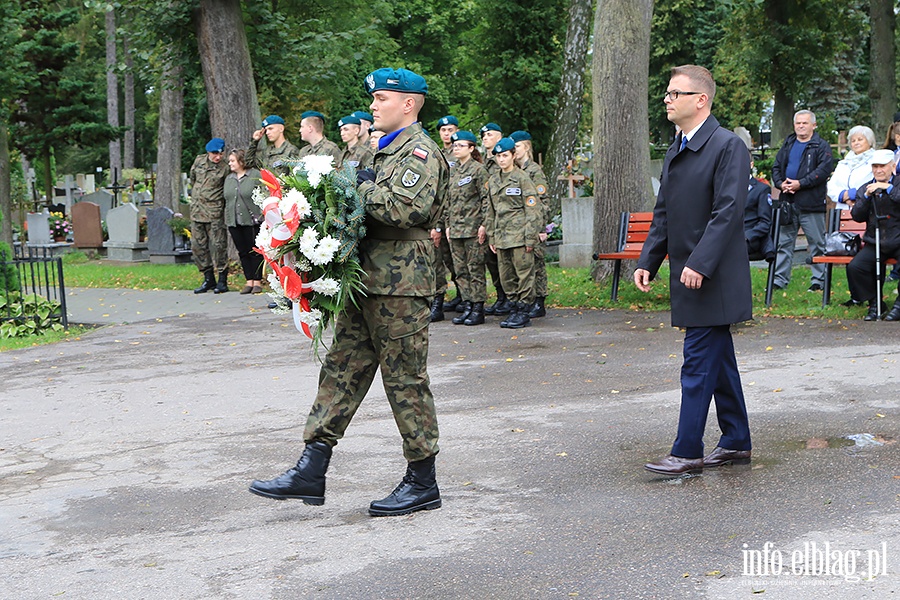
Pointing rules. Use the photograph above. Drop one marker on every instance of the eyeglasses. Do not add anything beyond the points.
(675, 93)
(461, 145)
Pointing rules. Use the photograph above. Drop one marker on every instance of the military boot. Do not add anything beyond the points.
(222, 286)
(437, 308)
(454, 304)
(209, 282)
(305, 481)
(537, 309)
(518, 319)
(510, 314)
(476, 315)
(501, 300)
(417, 491)
(467, 309)
(894, 315)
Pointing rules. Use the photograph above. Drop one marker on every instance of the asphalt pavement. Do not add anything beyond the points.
(125, 457)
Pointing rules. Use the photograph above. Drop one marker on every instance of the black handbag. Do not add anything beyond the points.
(842, 243)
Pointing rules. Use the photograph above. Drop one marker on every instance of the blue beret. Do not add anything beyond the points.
(312, 113)
(520, 136)
(272, 120)
(363, 116)
(448, 120)
(490, 127)
(504, 145)
(215, 145)
(349, 120)
(466, 136)
(398, 80)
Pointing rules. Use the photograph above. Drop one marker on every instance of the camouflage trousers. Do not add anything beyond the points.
(517, 273)
(443, 264)
(540, 272)
(209, 245)
(468, 261)
(390, 333)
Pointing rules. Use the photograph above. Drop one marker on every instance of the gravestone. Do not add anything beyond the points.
(90, 186)
(86, 224)
(124, 243)
(101, 198)
(162, 240)
(578, 232)
(39, 228)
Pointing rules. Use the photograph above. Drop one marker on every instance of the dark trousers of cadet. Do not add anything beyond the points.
(517, 273)
(861, 271)
(209, 245)
(468, 261)
(388, 333)
(443, 264)
(710, 371)
(244, 237)
(490, 262)
(540, 271)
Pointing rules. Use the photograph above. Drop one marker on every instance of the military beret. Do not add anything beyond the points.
(398, 80)
(215, 145)
(882, 157)
(520, 136)
(504, 145)
(272, 120)
(349, 120)
(448, 120)
(363, 116)
(312, 113)
(490, 127)
(466, 136)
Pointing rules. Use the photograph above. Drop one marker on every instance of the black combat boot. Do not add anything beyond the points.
(872, 315)
(209, 282)
(505, 307)
(417, 491)
(894, 315)
(501, 300)
(467, 309)
(537, 309)
(437, 308)
(305, 481)
(454, 304)
(476, 315)
(519, 318)
(222, 286)
(510, 314)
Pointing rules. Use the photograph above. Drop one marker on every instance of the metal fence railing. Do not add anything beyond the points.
(31, 271)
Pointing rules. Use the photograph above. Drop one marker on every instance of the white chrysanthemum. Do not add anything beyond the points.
(275, 283)
(326, 286)
(258, 196)
(312, 317)
(317, 166)
(308, 242)
(320, 256)
(330, 244)
(303, 206)
(264, 237)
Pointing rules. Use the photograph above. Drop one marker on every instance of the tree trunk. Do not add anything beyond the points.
(47, 156)
(621, 140)
(570, 101)
(112, 95)
(6, 210)
(883, 80)
(227, 71)
(128, 151)
(168, 158)
(782, 116)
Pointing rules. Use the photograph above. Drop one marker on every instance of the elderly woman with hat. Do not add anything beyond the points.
(853, 170)
(514, 221)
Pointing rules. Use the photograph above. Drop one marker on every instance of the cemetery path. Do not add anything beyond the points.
(125, 457)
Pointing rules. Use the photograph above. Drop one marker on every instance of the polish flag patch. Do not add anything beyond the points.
(420, 154)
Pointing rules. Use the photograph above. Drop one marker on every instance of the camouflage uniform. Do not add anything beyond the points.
(389, 329)
(359, 157)
(324, 147)
(514, 220)
(271, 158)
(448, 154)
(536, 173)
(209, 241)
(465, 214)
(490, 259)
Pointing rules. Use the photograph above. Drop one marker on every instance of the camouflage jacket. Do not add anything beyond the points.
(448, 155)
(359, 157)
(208, 189)
(325, 146)
(514, 213)
(404, 202)
(536, 173)
(490, 163)
(468, 200)
(271, 158)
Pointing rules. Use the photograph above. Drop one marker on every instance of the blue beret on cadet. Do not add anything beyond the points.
(363, 116)
(466, 136)
(520, 136)
(312, 113)
(349, 120)
(504, 145)
(490, 127)
(272, 120)
(398, 80)
(448, 120)
(215, 145)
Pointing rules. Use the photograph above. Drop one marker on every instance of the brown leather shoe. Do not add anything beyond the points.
(675, 465)
(724, 456)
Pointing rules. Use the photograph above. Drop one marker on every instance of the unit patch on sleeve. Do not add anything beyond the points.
(409, 178)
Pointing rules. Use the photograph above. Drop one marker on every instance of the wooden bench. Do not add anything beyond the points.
(839, 220)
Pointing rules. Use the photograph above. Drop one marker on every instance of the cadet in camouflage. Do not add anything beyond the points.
(278, 154)
(525, 160)
(405, 195)
(490, 135)
(209, 241)
(356, 154)
(312, 131)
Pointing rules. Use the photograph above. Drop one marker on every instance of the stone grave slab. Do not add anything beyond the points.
(123, 223)
(163, 245)
(101, 198)
(86, 225)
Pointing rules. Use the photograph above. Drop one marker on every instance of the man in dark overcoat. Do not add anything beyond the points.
(698, 223)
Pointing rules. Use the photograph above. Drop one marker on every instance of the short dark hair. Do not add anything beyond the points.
(699, 76)
(239, 156)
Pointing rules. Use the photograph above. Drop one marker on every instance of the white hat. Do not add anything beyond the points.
(882, 157)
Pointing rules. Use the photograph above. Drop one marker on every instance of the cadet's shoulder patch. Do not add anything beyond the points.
(541, 188)
(531, 201)
(464, 181)
(409, 178)
(420, 153)
(513, 191)
(353, 163)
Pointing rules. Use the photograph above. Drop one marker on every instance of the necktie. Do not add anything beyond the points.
(684, 142)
